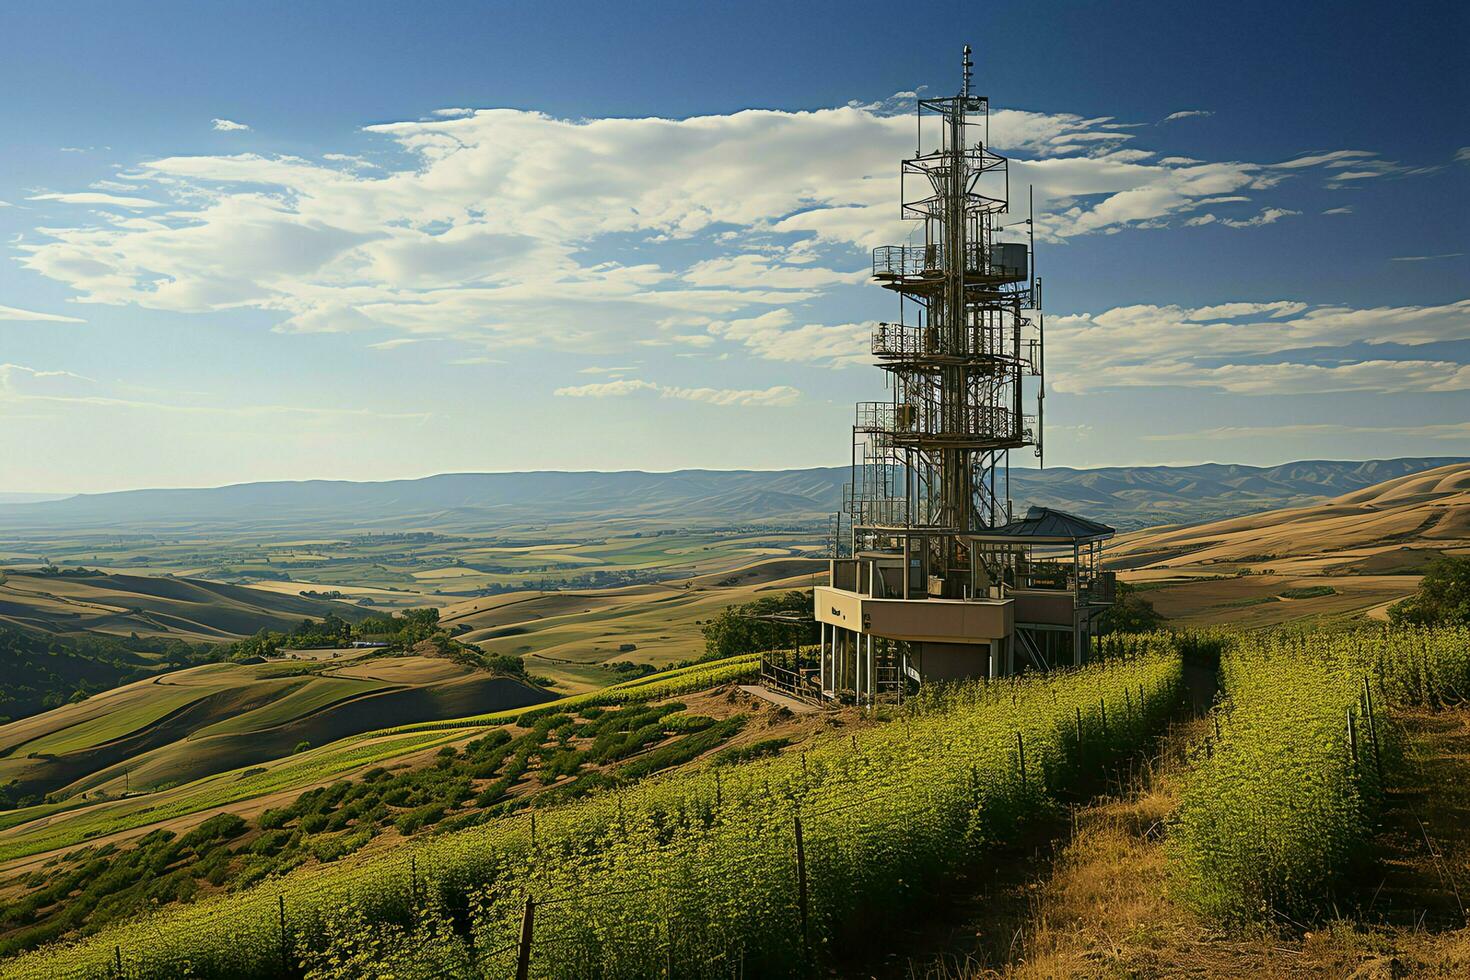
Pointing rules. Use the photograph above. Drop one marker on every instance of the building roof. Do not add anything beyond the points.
(1042, 525)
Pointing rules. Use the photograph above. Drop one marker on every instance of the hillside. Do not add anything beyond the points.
(1128, 497)
(191, 723)
(1344, 559)
(1391, 527)
(122, 605)
(569, 636)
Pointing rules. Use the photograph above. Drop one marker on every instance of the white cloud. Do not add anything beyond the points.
(1234, 311)
(1188, 114)
(777, 395)
(395, 343)
(606, 389)
(605, 370)
(774, 336)
(1230, 347)
(13, 313)
(229, 125)
(1266, 217)
(1462, 155)
(1346, 209)
(485, 227)
(1426, 258)
(91, 197)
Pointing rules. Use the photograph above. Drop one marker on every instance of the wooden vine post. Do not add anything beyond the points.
(528, 924)
(1021, 758)
(806, 941)
(285, 948)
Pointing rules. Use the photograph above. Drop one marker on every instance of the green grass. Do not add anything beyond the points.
(315, 694)
(90, 887)
(144, 706)
(1308, 592)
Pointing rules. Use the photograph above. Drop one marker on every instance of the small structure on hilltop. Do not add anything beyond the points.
(933, 575)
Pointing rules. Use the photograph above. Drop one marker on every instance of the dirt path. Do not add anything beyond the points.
(1102, 903)
(1426, 828)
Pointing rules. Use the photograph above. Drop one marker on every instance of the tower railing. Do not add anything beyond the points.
(999, 262)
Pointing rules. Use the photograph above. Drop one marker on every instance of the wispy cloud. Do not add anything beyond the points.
(777, 395)
(14, 313)
(1188, 114)
(97, 198)
(1266, 217)
(1426, 258)
(229, 126)
(1242, 348)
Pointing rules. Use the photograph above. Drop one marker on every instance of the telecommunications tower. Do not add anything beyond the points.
(933, 575)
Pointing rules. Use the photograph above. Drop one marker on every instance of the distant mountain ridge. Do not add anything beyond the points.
(1127, 497)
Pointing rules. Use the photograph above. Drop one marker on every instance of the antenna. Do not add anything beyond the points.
(968, 65)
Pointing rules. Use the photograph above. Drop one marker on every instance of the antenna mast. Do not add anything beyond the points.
(931, 466)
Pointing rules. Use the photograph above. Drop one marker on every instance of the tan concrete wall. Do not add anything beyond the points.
(936, 620)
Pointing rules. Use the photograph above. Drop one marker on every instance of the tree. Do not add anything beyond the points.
(1443, 598)
(1129, 613)
(737, 629)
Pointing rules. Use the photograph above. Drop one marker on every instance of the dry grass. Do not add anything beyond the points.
(1365, 528)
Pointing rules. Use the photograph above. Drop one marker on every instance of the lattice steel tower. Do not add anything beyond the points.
(930, 465)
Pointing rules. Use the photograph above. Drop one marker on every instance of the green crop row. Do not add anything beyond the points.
(664, 684)
(1283, 797)
(698, 868)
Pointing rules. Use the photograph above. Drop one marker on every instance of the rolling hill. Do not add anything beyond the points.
(569, 636)
(188, 724)
(1128, 497)
(122, 605)
(1344, 559)
(1394, 526)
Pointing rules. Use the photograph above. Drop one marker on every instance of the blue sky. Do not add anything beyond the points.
(374, 240)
